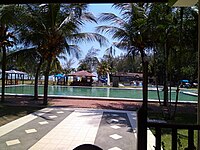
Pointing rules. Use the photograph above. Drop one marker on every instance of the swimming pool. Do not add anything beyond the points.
(128, 93)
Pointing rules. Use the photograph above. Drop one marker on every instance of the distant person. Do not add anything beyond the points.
(137, 83)
(132, 83)
(54, 80)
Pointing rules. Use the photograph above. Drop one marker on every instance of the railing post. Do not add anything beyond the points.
(158, 138)
(142, 130)
(174, 139)
(198, 105)
(142, 113)
(174, 127)
(191, 139)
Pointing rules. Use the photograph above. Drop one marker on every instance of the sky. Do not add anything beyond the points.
(96, 9)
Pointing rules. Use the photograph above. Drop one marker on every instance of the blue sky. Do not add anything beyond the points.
(96, 9)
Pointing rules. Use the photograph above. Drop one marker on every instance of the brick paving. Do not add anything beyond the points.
(74, 103)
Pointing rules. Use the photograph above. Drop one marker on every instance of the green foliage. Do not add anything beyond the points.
(185, 115)
(90, 62)
(83, 66)
(103, 68)
(49, 28)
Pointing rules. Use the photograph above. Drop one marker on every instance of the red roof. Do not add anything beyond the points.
(82, 73)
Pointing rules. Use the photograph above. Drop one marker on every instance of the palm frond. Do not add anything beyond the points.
(65, 21)
(112, 18)
(88, 17)
(122, 45)
(89, 37)
(75, 51)
(117, 32)
(24, 53)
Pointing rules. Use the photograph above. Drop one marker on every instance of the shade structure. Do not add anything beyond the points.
(59, 75)
(184, 81)
(18, 76)
(15, 72)
(82, 73)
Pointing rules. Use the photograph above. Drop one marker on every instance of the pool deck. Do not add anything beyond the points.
(61, 127)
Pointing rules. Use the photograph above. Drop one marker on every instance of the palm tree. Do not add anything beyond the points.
(103, 68)
(51, 27)
(31, 61)
(67, 65)
(8, 15)
(130, 29)
(90, 62)
(165, 28)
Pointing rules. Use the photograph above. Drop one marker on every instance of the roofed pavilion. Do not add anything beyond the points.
(82, 78)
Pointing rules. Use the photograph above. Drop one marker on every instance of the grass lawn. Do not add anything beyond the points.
(182, 142)
(182, 117)
(10, 113)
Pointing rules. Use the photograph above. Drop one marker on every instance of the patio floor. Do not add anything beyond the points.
(61, 128)
(111, 125)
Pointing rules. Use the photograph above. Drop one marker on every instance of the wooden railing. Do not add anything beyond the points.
(174, 128)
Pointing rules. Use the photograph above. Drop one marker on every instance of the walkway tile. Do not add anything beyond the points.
(21, 121)
(115, 148)
(31, 131)
(122, 138)
(15, 124)
(32, 122)
(87, 122)
(73, 127)
(115, 127)
(12, 142)
(52, 117)
(59, 112)
(43, 122)
(115, 136)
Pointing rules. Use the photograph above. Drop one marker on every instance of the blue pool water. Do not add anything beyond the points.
(130, 93)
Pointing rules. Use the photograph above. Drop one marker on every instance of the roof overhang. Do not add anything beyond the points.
(182, 3)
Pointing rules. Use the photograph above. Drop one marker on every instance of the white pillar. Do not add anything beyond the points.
(108, 79)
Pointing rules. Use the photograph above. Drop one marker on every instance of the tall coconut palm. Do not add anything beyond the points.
(165, 27)
(131, 32)
(8, 15)
(102, 69)
(129, 29)
(90, 62)
(109, 57)
(53, 27)
(31, 61)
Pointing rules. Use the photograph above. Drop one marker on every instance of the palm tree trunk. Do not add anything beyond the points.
(165, 89)
(36, 80)
(3, 74)
(145, 81)
(46, 79)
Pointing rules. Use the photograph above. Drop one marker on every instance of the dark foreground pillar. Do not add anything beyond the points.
(142, 113)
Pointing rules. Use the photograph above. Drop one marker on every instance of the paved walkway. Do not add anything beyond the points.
(61, 128)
